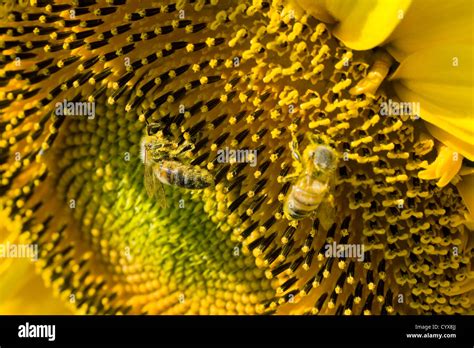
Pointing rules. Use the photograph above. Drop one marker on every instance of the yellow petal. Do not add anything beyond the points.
(466, 190)
(440, 79)
(439, 64)
(316, 8)
(444, 168)
(431, 23)
(22, 291)
(465, 148)
(362, 24)
(452, 129)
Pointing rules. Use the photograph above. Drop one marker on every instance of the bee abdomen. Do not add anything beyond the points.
(300, 204)
(178, 174)
(296, 214)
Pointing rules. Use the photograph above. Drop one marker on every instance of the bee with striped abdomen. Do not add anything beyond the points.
(313, 181)
(166, 162)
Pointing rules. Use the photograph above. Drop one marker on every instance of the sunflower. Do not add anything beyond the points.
(253, 75)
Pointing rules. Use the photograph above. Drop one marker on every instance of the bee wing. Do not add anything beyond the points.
(160, 194)
(295, 153)
(154, 187)
(149, 180)
(326, 213)
(332, 185)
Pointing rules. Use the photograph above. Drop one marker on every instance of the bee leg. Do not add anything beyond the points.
(184, 147)
(315, 138)
(188, 146)
(376, 75)
(174, 130)
(289, 177)
(326, 212)
(330, 199)
(153, 127)
(295, 153)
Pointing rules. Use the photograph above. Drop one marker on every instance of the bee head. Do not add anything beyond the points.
(153, 148)
(323, 158)
(145, 148)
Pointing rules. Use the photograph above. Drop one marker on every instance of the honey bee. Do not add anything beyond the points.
(314, 181)
(166, 162)
(376, 75)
